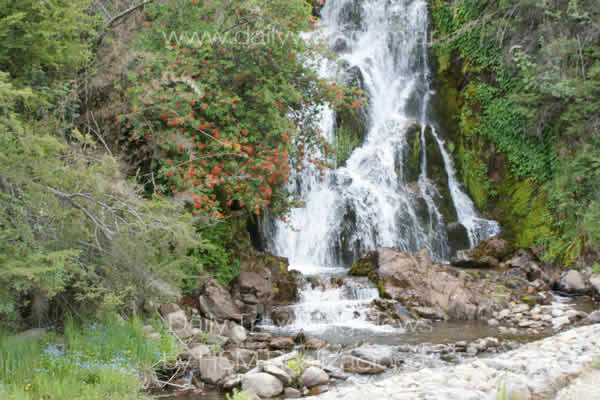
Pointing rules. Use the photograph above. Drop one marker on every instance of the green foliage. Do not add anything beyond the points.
(45, 38)
(346, 142)
(237, 395)
(91, 361)
(226, 99)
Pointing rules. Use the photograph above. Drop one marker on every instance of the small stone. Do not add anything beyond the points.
(594, 316)
(558, 323)
(196, 352)
(233, 381)
(359, 366)
(492, 322)
(503, 314)
(213, 369)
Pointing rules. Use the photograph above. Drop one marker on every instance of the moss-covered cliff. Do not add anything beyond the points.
(516, 105)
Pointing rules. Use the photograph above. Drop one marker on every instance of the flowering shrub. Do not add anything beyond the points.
(228, 104)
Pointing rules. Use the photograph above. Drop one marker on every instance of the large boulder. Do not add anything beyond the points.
(213, 369)
(365, 264)
(262, 384)
(487, 254)
(216, 302)
(572, 281)
(416, 281)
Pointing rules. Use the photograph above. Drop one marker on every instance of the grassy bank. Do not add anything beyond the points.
(81, 361)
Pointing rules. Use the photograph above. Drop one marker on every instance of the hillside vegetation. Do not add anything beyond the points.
(520, 88)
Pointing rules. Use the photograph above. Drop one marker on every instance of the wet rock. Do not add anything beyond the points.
(212, 369)
(458, 237)
(262, 384)
(572, 282)
(277, 372)
(282, 316)
(430, 313)
(340, 46)
(379, 354)
(560, 322)
(216, 303)
(365, 264)
(357, 365)
(281, 343)
(313, 376)
(493, 322)
(487, 254)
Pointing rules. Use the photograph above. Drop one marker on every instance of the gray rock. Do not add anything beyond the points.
(493, 322)
(217, 340)
(262, 384)
(357, 365)
(313, 376)
(213, 368)
(292, 393)
(279, 373)
(235, 332)
(196, 352)
(572, 282)
(179, 324)
(379, 354)
(558, 323)
(233, 381)
(595, 283)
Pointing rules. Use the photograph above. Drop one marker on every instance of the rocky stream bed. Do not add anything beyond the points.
(446, 332)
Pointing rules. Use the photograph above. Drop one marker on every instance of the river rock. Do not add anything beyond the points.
(235, 332)
(536, 367)
(572, 282)
(313, 376)
(282, 343)
(243, 359)
(594, 317)
(262, 384)
(595, 283)
(357, 365)
(253, 291)
(379, 354)
(292, 393)
(282, 316)
(214, 368)
(318, 390)
(279, 373)
(216, 303)
(196, 352)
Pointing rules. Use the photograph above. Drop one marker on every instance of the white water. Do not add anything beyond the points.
(368, 202)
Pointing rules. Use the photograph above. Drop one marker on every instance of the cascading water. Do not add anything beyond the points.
(398, 188)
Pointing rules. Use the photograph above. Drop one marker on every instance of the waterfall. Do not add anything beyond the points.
(398, 187)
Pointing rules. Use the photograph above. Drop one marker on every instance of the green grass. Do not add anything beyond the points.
(90, 361)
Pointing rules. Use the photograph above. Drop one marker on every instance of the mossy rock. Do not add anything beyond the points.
(412, 154)
(365, 264)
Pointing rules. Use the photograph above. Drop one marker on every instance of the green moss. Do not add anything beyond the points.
(362, 267)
